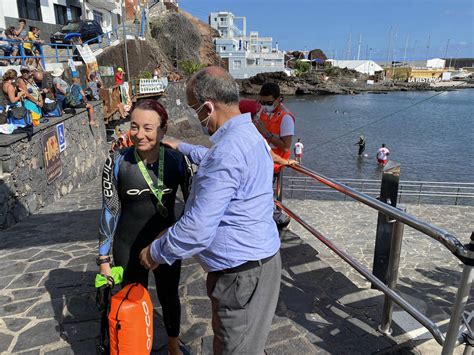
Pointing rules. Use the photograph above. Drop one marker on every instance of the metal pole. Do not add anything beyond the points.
(462, 296)
(43, 63)
(124, 20)
(392, 275)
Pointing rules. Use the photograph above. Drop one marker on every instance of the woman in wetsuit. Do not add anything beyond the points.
(139, 186)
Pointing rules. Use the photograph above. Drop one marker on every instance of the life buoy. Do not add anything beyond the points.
(131, 321)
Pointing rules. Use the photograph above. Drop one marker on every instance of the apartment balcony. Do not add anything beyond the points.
(105, 4)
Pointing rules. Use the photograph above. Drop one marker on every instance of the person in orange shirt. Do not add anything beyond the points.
(254, 108)
(277, 123)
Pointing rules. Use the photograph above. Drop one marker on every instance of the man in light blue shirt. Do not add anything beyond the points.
(227, 224)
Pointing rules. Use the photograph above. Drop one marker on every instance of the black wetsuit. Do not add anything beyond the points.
(361, 144)
(130, 218)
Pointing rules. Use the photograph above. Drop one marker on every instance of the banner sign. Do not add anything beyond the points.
(86, 53)
(90, 60)
(151, 86)
(51, 153)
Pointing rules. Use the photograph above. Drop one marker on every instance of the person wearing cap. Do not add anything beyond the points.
(60, 87)
(254, 108)
(119, 76)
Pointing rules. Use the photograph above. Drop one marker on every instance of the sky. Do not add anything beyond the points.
(425, 28)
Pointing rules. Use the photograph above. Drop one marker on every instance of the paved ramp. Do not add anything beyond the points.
(47, 298)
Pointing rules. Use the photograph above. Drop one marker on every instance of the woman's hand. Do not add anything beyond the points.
(104, 269)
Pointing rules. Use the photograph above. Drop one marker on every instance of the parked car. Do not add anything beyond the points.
(88, 29)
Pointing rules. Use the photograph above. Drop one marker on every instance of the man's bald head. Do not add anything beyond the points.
(214, 84)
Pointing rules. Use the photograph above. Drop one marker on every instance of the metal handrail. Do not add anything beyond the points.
(464, 253)
(442, 236)
(456, 190)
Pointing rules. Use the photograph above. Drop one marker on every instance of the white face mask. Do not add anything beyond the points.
(205, 122)
(268, 108)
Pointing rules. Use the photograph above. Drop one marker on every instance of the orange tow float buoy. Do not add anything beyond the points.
(131, 321)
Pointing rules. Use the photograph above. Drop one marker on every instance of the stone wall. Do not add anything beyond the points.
(23, 182)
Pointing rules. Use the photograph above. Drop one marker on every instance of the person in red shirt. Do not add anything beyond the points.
(119, 76)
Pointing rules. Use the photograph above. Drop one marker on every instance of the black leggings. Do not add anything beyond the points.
(166, 281)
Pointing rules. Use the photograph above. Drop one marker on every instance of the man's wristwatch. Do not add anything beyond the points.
(268, 136)
(100, 261)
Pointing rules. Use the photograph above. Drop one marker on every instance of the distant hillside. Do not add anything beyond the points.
(179, 36)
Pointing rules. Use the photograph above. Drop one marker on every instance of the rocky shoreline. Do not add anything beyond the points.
(341, 82)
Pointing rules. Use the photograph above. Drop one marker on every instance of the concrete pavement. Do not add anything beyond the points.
(47, 297)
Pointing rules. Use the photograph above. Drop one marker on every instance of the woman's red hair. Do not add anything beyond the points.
(153, 105)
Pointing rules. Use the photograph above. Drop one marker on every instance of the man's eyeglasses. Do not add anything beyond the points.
(266, 103)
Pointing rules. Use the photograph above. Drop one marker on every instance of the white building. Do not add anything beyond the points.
(436, 63)
(246, 56)
(106, 12)
(368, 67)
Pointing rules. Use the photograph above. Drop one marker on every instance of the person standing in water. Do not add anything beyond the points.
(299, 147)
(382, 155)
(361, 144)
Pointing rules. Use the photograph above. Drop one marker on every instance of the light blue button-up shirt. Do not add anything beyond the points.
(228, 218)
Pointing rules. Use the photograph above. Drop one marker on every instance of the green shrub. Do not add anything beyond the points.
(145, 75)
(301, 67)
(189, 67)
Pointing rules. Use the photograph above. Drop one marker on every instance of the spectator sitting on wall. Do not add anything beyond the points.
(80, 101)
(173, 77)
(60, 87)
(32, 45)
(21, 31)
(34, 100)
(15, 42)
(93, 87)
(119, 76)
(12, 94)
(38, 42)
(38, 77)
(5, 46)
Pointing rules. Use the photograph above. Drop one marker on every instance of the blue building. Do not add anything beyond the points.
(244, 55)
